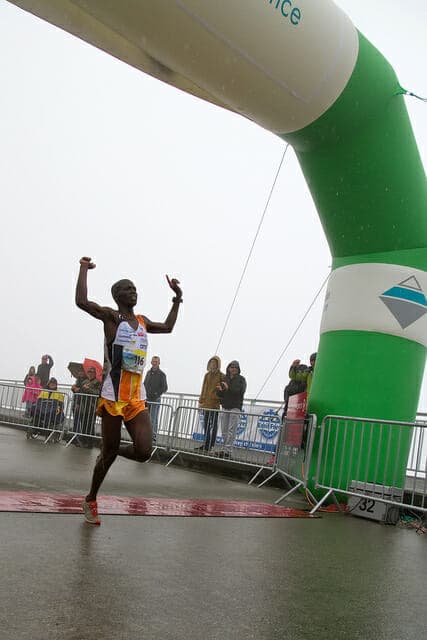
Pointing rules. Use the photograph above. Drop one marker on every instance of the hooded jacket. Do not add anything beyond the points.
(32, 390)
(232, 398)
(301, 374)
(208, 395)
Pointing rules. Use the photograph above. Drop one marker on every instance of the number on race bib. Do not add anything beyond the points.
(133, 360)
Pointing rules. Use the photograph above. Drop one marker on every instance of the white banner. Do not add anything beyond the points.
(381, 297)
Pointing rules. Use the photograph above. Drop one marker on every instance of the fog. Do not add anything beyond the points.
(99, 159)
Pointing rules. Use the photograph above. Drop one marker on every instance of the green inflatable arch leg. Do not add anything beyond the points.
(362, 164)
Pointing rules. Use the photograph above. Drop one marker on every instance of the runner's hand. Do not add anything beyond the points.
(87, 262)
(174, 285)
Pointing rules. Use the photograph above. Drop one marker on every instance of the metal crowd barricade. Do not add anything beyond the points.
(76, 423)
(371, 473)
(192, 400)
(84, 427)
(340, 470)
(45, 416)
(293, 458)
(179, 427)
(12, 407)
(252, 445)
(161, 438)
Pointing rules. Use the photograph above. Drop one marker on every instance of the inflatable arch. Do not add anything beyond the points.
(301, 69)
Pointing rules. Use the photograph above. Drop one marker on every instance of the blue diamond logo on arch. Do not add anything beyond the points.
(406, 301)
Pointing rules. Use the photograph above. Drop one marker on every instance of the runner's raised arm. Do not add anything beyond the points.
(168, 325)
(94, 309)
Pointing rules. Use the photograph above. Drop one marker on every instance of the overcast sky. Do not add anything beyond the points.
(98, 159)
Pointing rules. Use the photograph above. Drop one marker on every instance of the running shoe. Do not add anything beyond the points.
(90, 510)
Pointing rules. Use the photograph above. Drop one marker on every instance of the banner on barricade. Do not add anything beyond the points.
(291, 449)
(255, 430)
(294, 422)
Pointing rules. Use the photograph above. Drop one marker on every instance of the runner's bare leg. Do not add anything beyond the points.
(111, 432)
(140, 431)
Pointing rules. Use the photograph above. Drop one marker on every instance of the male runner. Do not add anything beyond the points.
(122, 393)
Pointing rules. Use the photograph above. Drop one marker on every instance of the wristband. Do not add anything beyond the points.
(176, 299)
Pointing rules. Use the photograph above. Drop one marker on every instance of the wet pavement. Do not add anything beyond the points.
(178, 577)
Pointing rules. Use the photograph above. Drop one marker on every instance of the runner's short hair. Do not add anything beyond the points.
(116, 287)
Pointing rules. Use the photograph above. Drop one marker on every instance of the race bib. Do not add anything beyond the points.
(133, 358)
(134, 347)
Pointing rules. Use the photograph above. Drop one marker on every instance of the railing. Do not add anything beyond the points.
(171, 398)
(202, 433)
(293, 457)
(359, 457)
(13, 410)
(72, 418)
(259, 442)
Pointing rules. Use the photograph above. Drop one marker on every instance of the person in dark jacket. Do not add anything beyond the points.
(230, 392)
(155, 386)
(300, 380)
(43, 370)
(86, 391)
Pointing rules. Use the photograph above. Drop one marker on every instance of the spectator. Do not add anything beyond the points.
(43, 370)
(230, 391)
(209, 402)
(155, 386)
(294, 386)
(300, 380)
(49, 409)
(31, 393)
(76, 389)
(301, 377)
(31, 374)
(86, 392)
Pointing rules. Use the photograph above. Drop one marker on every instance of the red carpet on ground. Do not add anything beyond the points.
(29, 502)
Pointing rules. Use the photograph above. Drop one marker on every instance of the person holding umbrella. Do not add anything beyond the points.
(86, 390)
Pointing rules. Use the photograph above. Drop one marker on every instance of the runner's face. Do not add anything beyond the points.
(127, 294)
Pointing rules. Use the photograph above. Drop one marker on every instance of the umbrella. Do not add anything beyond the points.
(76, 369)
(88, 363)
